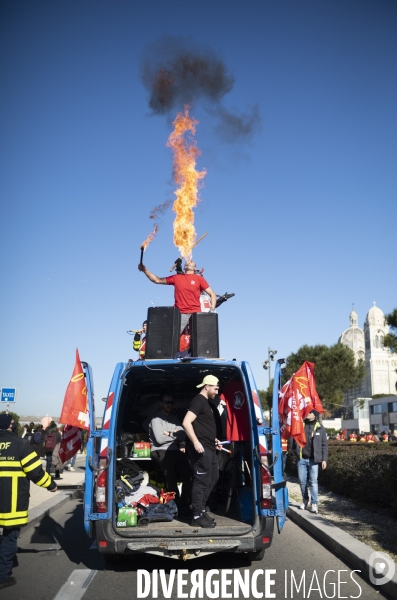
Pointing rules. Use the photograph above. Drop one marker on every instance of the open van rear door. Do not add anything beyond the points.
(279, 485)
(89, 481)
(99, 451)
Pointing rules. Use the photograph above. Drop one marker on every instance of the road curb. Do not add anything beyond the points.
(345, 545)
(37, 514)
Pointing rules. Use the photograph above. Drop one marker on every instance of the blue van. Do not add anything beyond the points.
(251, 495)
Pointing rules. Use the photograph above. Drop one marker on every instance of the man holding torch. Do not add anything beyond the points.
(188, 287)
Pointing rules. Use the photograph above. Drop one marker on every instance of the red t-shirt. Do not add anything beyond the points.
(238, 428)
(188, 287)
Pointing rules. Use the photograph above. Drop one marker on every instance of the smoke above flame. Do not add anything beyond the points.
(159, 210)
(154, 214)
(186, 176)
(177, 73)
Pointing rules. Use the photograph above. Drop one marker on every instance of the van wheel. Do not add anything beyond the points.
(111, 559)
(256, 555)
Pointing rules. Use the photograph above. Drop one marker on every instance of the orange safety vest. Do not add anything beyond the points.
(284, 445)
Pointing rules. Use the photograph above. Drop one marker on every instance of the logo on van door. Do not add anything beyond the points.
(239, 400)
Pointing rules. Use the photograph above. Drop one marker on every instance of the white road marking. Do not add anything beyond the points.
(77, 584)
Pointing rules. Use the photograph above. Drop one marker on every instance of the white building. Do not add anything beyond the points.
(367, 344)
(383, 414)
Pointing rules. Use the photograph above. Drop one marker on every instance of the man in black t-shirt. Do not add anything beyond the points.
(200, 427)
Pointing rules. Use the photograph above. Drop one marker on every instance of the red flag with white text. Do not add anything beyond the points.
(297, 398)
(71, 442)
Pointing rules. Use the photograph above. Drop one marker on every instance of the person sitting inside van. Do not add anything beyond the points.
(168, 447)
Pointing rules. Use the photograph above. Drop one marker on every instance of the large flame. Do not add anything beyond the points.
(187, 178)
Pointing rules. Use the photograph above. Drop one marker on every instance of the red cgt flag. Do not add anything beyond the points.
(75, 413)
(298, 397)
(75, 406)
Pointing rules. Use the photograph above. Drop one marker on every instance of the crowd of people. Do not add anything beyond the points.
(365, 436)
(46, 442)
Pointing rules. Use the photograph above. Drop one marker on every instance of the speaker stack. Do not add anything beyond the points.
(205, 335)
(163, 332)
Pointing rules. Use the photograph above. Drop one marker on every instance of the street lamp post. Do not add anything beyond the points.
(267, 363)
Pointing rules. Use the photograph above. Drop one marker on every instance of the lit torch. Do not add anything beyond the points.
(148, 240)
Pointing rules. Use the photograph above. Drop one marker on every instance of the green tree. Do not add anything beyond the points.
(266, 397)
(335, 371)
(391, 338)
(16, 419)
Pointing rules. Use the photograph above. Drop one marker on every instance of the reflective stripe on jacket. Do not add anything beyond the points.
(18, 464)
(139, 345)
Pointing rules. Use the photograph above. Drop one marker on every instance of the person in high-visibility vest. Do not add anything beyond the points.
(140, 344)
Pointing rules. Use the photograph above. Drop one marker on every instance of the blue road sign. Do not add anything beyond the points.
(8, 395)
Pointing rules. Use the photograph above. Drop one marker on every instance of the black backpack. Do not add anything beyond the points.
(37, 438)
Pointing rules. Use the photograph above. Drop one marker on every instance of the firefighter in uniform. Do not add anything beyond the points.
(19, 463)
(140, 344)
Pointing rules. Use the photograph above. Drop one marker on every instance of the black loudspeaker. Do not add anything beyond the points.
(205, 336)
(163, 332)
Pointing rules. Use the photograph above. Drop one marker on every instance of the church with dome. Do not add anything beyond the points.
(367, 344)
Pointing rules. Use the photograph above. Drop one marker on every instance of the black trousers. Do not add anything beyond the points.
(205, 475)
(175, 466)
(8, 549)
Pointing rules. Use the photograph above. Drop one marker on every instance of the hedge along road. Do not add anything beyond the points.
(56, 561)
(363, 470)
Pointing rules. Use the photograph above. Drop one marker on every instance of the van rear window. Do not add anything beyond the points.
(145, 384)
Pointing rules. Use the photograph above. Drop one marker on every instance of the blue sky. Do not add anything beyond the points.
(300, 216)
